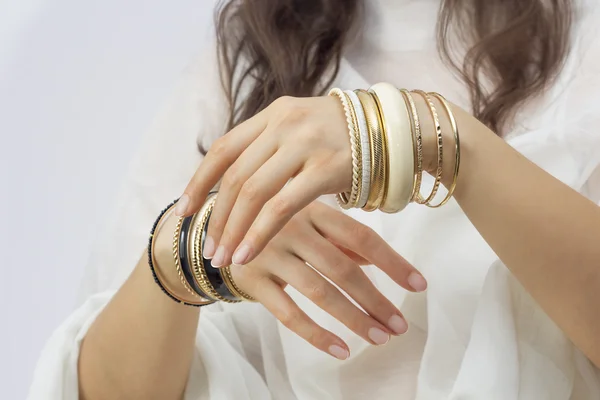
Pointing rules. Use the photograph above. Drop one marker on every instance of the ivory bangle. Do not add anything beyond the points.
(363, 131)
(401, 159)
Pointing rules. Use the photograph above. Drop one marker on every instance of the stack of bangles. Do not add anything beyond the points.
(387, 172)
(387, 148)
(203, 282)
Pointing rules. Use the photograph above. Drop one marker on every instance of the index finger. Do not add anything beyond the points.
(219, 158)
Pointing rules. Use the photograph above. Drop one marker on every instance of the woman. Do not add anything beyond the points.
(511, 266)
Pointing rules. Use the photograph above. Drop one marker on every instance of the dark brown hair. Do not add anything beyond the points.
(269, 49)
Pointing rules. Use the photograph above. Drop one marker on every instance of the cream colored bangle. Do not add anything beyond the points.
(363, 131)
(348, 200)
(396, 122)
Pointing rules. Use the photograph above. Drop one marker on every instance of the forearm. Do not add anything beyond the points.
(544, 232)
(141, 345)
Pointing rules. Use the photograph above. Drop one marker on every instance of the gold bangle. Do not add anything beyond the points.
(418, 146)
(400, 159)
(232, 286)
(195, 243)
(160, 277)
(359, 148)
(440, 148)
(376, 149)
(176, 235)
(348, 200)
(454, 125)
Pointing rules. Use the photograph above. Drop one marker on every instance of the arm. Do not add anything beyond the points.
(546, 233)
(141, 345)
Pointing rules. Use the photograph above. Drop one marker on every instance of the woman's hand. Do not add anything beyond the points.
(301, 138)
(335, 245)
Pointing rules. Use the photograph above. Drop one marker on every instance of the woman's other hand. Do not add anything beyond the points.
(335, 245)
(301, 138)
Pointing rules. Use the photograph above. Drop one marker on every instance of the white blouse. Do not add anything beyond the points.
(475, 333)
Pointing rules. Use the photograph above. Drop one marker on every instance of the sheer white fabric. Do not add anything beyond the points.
(475, 334)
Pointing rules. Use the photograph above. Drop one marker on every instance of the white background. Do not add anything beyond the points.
(79, 84)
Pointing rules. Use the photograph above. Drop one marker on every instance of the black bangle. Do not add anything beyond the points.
(184, 257)
(151, 257)
(214, 274)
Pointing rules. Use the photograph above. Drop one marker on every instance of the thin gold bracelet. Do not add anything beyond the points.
(233, 287)
(359, 149)
(454, 125)
(197, 263)
(376, 149)
(418, 146)
(348, 200)
(176, 235)
(440, 148)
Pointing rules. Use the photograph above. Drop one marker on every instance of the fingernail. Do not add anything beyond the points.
(378, 336)
(417, 282)
(219, 257)
(182, 205)
(338, 352)
(241, 254)
(209, 247)
(398, 324)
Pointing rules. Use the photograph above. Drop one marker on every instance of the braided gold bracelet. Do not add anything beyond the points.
(418, 144)
(440, 149)
(232, 286)
(348, 200)
(176, 235)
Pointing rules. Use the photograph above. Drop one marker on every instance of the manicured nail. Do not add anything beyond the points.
(378, 336)
(338, 352)
(398, 324)
(417, 282)
(209, 247)
(241, 254)
(182, 205)
(219, 257)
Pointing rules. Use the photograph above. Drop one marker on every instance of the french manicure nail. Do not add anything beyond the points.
(378, 336)
(209, 247)
(398, 324)
(338, 352)
(182, 205)
(241, 255)
(417, 282)
(219, 257)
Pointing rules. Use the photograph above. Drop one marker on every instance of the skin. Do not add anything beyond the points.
(307, 140)
(142, 344)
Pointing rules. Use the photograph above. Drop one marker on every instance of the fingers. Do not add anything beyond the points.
(336, 266)
(349, 233)
(280, 304)
(235, 181)
(299, 192)
(221, 156)
(244, 202)
(321, 292)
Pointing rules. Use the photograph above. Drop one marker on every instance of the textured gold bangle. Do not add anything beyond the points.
(359, 149)
(176, 235)
(454, 125)
(418, 146)
(440, 148)
(232, 286)
(385, 168)
(347, 200)
(376, 149)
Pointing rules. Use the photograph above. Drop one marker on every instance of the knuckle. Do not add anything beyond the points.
(284, 102)
(280, 207)
(249, 191)
(317, 292)
(219, 147)
(361, 234)
(231, 178)
(291, 318)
